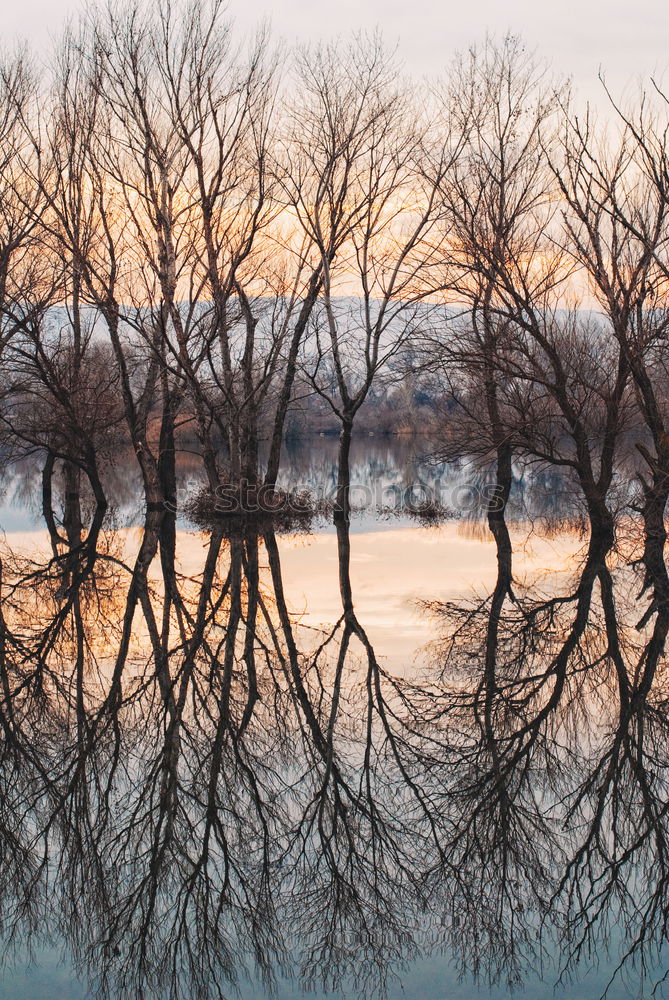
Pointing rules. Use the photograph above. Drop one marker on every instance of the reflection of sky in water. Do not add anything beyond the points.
(392, 572)
(429, 979)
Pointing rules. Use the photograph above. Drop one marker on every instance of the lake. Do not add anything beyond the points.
(382, 754)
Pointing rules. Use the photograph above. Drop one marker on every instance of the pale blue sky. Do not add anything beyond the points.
(630, 40)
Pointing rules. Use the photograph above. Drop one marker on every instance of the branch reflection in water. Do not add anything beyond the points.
(199, 784)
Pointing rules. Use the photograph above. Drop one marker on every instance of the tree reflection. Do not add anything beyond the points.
(550, 722)
(196, 787)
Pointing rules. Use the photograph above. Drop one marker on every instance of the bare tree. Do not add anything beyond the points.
(366, 213)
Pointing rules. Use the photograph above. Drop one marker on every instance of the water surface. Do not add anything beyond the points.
(365, 757)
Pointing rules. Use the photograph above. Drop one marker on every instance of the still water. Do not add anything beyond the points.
(366, 757)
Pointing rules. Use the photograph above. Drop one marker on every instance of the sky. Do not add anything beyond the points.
(629, 41)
